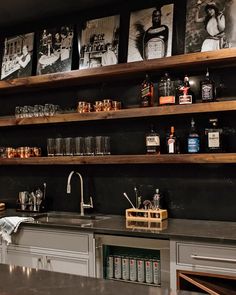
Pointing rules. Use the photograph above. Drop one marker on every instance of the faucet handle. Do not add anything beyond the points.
(90, 205)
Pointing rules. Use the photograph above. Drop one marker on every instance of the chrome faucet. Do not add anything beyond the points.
(68, 190)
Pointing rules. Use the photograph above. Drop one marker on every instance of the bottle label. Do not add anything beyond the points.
(193, 145)
(167, 99)
(207, 92)
(214, 139)
(146, 91)
(171, 146)
(185, 99)
(152, 140)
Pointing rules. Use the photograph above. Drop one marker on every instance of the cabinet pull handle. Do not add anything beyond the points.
(48, 262)
(199, 257)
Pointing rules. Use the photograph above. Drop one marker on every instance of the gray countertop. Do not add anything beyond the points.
(26, 281)
(210, 231)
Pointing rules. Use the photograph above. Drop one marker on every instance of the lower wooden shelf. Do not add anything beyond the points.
(211, 284)
(219, 158)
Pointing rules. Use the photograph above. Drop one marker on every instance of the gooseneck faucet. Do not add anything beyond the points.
(68, 190)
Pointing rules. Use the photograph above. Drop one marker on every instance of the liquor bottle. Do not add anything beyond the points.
(172, 142)
(147, 93)
(193, 139)
(214, 136)
(152, 142)
(185, 94)
(207, 87)
(166, 91)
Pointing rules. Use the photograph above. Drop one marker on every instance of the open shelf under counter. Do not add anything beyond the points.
(216, 158)
(198, 60)
(220, 106)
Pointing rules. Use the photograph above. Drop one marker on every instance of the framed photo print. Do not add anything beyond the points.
(150, 33)
(210, 25)
(54, 51)
(99, 43)
(17, 56)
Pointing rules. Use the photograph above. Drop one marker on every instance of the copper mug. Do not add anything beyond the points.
(116, 105)
(82, 107)
(107, 105)
(98, 106)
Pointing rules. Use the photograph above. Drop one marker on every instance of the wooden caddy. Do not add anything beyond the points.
(150, 219)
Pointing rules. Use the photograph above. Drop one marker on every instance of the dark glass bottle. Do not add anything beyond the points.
(152, 142)
(172, 142)
(214, 137)
(207, 87)
(193, 139)
(166, 91)
(147, 93)
(185, 94)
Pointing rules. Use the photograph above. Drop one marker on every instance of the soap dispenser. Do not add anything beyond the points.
(156, 200)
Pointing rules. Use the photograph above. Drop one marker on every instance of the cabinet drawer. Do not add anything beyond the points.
(205, 255)
(53, 239)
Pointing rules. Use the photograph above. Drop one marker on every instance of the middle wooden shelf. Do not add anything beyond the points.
(216, 158)
(220, 106)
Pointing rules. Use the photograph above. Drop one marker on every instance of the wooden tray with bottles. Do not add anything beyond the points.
(146, 219)
(148, 215)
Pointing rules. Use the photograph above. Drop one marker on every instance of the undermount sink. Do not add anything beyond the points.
(69, 218)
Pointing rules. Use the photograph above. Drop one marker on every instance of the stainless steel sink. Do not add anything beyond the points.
(69, 218)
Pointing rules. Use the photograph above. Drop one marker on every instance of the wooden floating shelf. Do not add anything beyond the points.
(220, 106)
(223, 57)
(217, 158)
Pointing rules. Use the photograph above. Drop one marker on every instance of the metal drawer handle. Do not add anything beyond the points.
(194, 256)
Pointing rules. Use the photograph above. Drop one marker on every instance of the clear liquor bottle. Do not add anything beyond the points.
(166, 91)
(207, 87)
(147, 93)
(152, 142)
(193, 139)
(214, 137)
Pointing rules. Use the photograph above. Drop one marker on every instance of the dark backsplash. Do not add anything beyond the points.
(191, 191)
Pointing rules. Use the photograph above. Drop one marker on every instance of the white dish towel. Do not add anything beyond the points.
(9, 225)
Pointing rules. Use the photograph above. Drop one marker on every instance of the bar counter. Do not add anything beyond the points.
(28, 281)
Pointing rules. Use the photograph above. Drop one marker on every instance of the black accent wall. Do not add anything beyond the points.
(192, 191)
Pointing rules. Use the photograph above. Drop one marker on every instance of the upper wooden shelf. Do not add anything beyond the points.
(217, 158)
(199, 60)
(124, 113)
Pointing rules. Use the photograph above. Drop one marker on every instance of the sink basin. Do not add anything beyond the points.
(69, 218)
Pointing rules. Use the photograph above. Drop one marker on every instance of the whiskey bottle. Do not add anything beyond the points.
(214, 136)
(193, 139)
(172, 142)
(152, 142)
(207, 87)
(185, 94)
(166, 91)
(147, 93)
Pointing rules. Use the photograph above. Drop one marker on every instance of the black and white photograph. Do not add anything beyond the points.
(17, 56)
(150, 33)
(99, 43)
(210, 25)
(54, 52)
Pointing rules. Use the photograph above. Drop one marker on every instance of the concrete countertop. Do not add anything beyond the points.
(210, 231)
(27, 281)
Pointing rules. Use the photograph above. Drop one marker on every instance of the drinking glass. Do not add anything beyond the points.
(99, 145)
(51, 147)
(69, 146)
(107, 145)
(59, 146)
(107, 105)
(18, 112)
(79, 146)
(89, 145)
